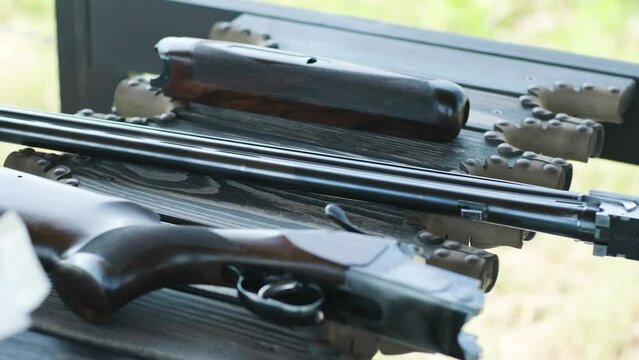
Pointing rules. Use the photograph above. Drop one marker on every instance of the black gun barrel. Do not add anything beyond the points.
(281, 152)
(537, 209)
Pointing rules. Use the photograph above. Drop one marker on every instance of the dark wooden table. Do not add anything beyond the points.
(102, 41)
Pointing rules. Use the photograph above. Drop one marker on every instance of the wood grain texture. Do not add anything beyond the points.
(169, 324)
(309, 89)
(275, 131)
(230, 203)
(32, 345)
(486, 109)
(422, 36)
(480, 71)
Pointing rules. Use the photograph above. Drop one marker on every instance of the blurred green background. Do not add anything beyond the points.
(553, 299)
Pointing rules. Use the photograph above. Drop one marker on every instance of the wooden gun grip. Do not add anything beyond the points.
(306, 88)
(287, 276)
(62, 218)
(125, 263)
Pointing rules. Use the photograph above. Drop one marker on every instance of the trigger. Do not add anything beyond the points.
(285, 302)
(282, 287)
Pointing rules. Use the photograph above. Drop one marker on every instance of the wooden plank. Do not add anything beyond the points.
(423, 36)
(81, 85)
(488, 108)
(480, 71)
(73, 38)
(169, 324)
(32, 345)
(468, 68)
(276, 131)
(233, 204)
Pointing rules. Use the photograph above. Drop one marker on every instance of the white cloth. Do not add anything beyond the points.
(23, 283)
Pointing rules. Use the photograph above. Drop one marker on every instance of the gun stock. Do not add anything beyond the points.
(113, 251)
(62, 218)
(311, 89)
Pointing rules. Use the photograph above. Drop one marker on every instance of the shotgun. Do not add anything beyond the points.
(608, 221)
(312, 89)
(102, 252)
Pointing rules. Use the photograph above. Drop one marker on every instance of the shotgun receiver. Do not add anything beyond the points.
(306, 88)
(103, 252)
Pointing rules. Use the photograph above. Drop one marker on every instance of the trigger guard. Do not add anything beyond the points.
(264, 305)
(283, 287)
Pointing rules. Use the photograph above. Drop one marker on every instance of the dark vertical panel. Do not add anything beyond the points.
(72, 33)
(466, 43)
(129, 29)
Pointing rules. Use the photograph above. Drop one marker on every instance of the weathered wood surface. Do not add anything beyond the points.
(169, 324)
(474, 70)
(32, 345)
(227, 203)
(276, 131)
(422, 36)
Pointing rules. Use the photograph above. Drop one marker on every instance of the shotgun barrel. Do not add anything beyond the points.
(609, 221)
(268, 150)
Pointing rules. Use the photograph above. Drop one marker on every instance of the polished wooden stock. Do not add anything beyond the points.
(311, 89)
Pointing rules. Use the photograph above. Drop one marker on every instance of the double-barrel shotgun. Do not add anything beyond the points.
(103, 252)
(608, 221)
